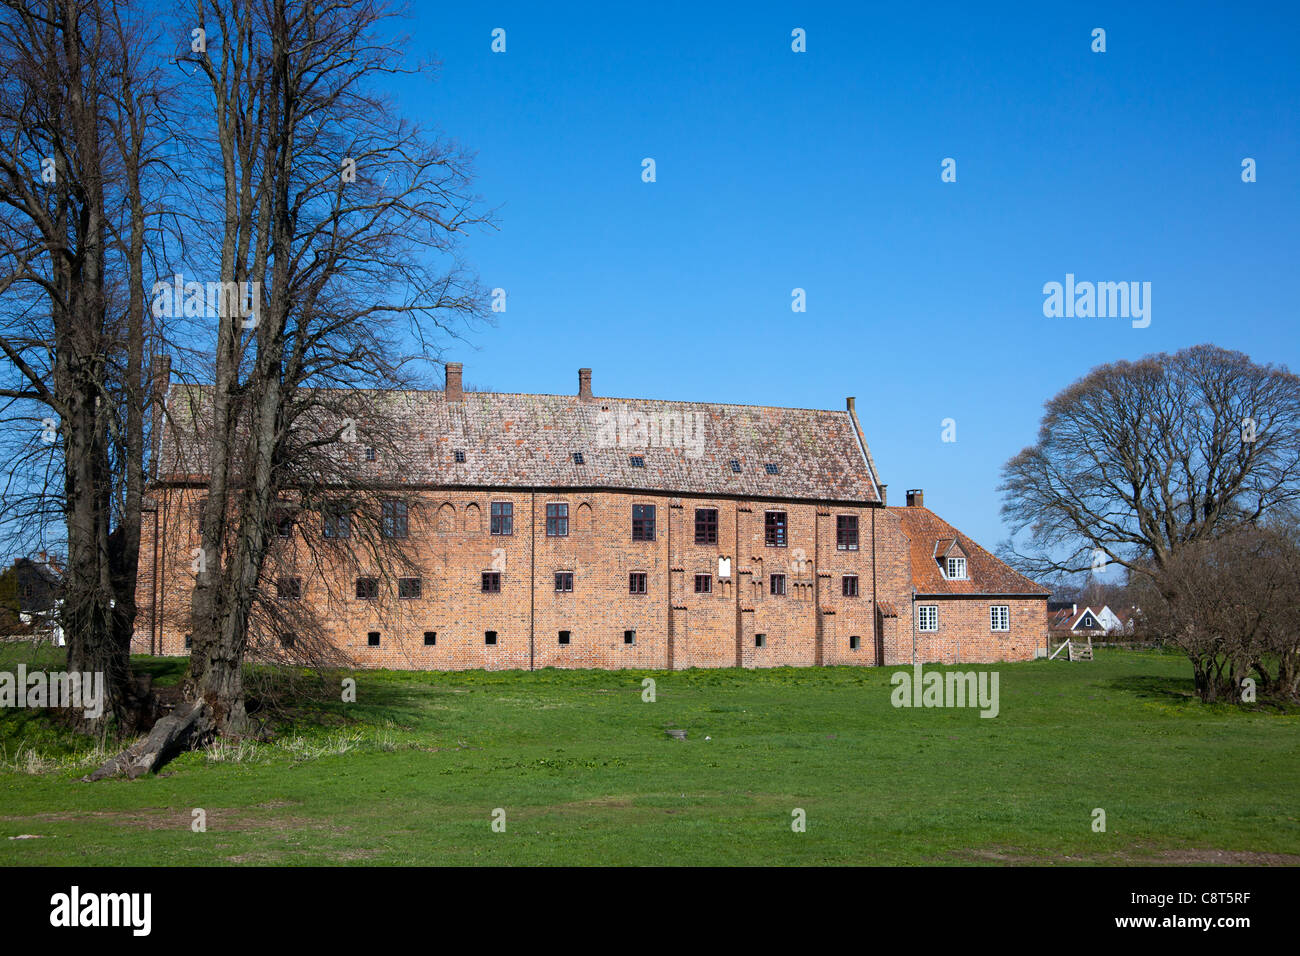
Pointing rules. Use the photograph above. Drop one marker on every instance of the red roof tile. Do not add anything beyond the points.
(986, 574)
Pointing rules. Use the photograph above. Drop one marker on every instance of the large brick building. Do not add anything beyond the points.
(582, 531)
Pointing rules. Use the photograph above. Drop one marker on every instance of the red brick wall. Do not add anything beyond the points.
(450, 546)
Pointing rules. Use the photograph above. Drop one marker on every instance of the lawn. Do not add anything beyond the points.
(412, 772)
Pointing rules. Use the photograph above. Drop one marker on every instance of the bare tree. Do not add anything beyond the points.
(76, 135)
(348, 219)
(1231, 604)
(1138, 460)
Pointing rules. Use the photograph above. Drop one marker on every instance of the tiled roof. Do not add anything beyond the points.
(985, 573)
(522, 441)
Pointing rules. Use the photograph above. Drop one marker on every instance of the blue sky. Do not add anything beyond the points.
(821, 170)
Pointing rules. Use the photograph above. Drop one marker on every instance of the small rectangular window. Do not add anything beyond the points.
(564, 581)
(370, 454)
(491, 582)
(855, 642)
(957, 569)
(636, 582)
(489, 637)
(706, 525)
(1000, 617)
(846, 532)
(643, 522)
(430, 638)
(564, 637)
(288, 589)
(459, 455)
(735, 465)
(557, 520)
(288, 639)
(189, 641)
(503, 517)
(760, 640)
(283, 524)
(772, 469)
(629, 637)
(774, 529)
(638, 461)
(409, 588)
(367, 589)
(372, 639)
(393, 519)
(703, 584)
(578, 459)
(927, 617)
(778, 584)
(849, 585)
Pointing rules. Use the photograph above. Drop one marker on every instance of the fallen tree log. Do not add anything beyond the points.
(189, 727)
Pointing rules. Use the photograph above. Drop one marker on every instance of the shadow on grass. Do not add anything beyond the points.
(1168, 690)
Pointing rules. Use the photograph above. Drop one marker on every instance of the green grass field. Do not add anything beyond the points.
(412, 772)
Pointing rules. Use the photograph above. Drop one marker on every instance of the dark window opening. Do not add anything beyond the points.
(489, 637)
(638, 461)
(557, 520)
(703, 584)
(564, 580)
(760, 640)
(393, 519)
(367, 589)
(629, 637)
(772, 469)
(409, 588)
(288, 589)
(372, 639)
(706, 525)
(849, 585)
(189, 641)
(430, 638)
(636, 582)
(370, 454)
(564, 637)
(578, 459)
(503, 517)
(774, 529)
(846, 532)
(643, 522)
(491, 582)
(778, 584)
(735, 465)
(287, 640)
(855, 642)
(337, 522)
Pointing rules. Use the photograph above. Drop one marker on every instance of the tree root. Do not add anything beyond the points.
(189, 727)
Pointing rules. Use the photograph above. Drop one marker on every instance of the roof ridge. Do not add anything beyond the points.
(598, 398)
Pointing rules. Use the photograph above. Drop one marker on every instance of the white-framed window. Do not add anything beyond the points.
(1000, 617)
(957, 569)
(927, 617)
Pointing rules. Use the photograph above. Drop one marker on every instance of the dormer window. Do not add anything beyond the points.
(956, 569)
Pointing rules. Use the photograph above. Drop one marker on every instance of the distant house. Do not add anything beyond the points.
(29, 598)
(1074, 621)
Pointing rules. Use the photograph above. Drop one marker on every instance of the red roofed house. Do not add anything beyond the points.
(584, 531)
(967, 604)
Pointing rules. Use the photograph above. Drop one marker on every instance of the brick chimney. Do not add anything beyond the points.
(455, 391)
(884, 495)
(584, 384)
(915, 498)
